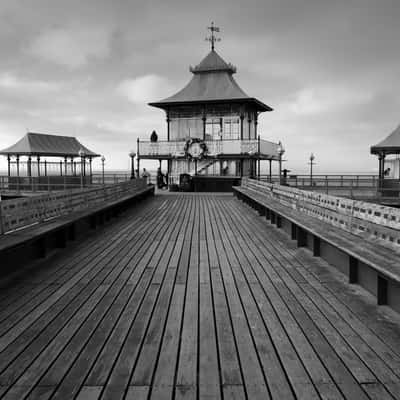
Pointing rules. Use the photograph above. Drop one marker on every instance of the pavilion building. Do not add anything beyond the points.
(212, 126)
(388, 152)
(40, 161)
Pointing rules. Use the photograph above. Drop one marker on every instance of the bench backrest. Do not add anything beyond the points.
(369, 220)
(21, 212)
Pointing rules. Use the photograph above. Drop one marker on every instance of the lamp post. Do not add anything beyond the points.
(132, 155)
(312, 158)
(102, 168)
(81, 154)
(281, 151)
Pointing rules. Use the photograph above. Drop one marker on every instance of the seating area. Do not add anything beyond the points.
(365, 251)
(41, 224)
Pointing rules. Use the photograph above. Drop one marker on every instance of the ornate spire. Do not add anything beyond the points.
(212, 39)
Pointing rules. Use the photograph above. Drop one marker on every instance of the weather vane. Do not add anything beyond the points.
(213, 38)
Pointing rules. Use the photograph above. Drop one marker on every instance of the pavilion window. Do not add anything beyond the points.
(213, 128)
(184, 128)
(231, 128)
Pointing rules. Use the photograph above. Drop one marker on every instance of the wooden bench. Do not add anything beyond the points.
(366, 262)
(22, 246)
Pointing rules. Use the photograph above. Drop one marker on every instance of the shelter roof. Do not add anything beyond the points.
(40, 144)
(389, 145)
(212, 82)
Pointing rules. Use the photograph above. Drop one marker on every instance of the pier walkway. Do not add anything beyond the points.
(191, 296)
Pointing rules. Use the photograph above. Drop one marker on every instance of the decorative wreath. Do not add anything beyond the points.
(188, 145)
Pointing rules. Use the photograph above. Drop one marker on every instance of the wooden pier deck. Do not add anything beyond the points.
(193, 296)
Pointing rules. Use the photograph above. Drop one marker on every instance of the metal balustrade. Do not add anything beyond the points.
(215, 148)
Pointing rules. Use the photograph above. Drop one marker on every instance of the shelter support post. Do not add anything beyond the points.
(241, 126)
(270, 170)
(29, 166)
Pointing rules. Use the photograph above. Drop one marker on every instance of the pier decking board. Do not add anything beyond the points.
(193, 296)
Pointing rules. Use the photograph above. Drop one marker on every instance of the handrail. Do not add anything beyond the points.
(215, 147)
(369, 220)
(21, 212)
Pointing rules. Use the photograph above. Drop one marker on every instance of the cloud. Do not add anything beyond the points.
(11, 82)
(326, 99)
(145, 88)
(71, 47)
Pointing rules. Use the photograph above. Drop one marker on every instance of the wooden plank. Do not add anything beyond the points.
(275, 376)
(229, 363)
(234, 392)
(107, 356)
(186, 375)
(121, 372)
(209, 379)
(353, 340)
(252, 372)
(344, 386)
(36, 370)
(185, 393)
(47, 335)
(89, 393)
(137, 393)
(377, 391)
(164, 376)
(43, 307)
(268, 280)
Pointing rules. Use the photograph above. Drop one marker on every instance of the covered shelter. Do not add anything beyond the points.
(28, 161)
(389, 170)
(212, 127)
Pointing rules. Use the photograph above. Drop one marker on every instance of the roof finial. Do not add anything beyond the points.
(212, 39)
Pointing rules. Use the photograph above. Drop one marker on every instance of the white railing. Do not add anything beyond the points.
(26, 211)
(215, 148)
(369, 220)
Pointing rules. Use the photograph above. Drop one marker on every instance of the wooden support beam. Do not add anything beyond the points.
(316, 246)
(267, 214)
(301, 237)
(92, 221)
(261, 210)
(41, 247)
(273, 218)
(293, 231)
(278, 221)
(101, 218)
(382, 290)
(353, 270)
(71, 232)
(61, 239)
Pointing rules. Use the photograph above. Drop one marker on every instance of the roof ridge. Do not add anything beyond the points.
(213, 62)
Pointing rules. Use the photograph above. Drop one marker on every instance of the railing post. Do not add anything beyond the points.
(1, 221)
(382, 290)
(353, 270)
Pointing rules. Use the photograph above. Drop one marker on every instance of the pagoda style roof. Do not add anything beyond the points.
(212, 82)
(390, 145)
(213, 62)
(40, 144)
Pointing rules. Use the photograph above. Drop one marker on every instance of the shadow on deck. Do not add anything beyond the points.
(193, 296)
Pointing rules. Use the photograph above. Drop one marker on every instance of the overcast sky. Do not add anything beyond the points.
(330, 69)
